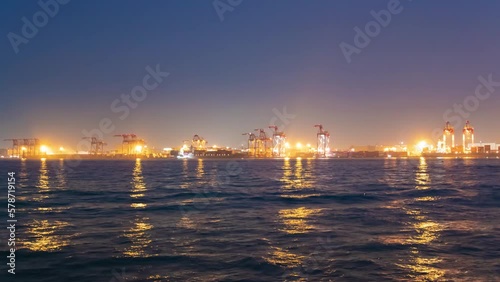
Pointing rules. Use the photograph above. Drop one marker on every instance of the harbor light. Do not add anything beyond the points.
(44, 149)
(138, 149)
(422, 145)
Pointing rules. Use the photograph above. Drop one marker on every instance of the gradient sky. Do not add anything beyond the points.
(227, 76)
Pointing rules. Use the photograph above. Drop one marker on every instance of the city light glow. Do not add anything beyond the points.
(422, 145)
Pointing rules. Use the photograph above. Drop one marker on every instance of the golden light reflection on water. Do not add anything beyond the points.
(138, 185)
(43, 184)
(423, 269)
(185, 175)
(61, 176)
(23, 173)
(426, 232)
(426, 199)
(302, 196)
(390, 173)
(422, 178)
(296, 220)
(186, 222)
(43, 179)
(279, 256)
(293, 220)
(298, 181)
(299, 176)
(287, 173)
(22, 180)
(200, 172)
(44, 236)
(199, 184)
(140, 238)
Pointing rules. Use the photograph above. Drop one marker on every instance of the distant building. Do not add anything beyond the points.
(485, 147)
(4, 153)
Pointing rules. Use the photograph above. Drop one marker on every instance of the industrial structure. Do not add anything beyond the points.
(25, 147)
(322, 142)
(96, 145)
(279, 142)
(267, 143)
(131, 144)
(261, 144)
(448, 143)
(467, 137)
(198, 143)
(251, 143)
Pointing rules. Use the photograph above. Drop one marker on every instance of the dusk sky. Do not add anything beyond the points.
(226, 77)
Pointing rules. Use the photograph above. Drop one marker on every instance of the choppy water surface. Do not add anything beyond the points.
(256, 220)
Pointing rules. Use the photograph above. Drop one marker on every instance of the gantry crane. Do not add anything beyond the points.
(467, 137)
(16, 146)
(279, 140)
(261, 143)
(25, 147)
(198, 143)
(96, 145)
(127, 138)
(448, 133)
(132, 143)
(251, 143)
(322, 141)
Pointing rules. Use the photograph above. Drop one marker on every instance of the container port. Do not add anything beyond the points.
(260, 144)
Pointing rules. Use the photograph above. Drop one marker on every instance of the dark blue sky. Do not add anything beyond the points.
(227, 76)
